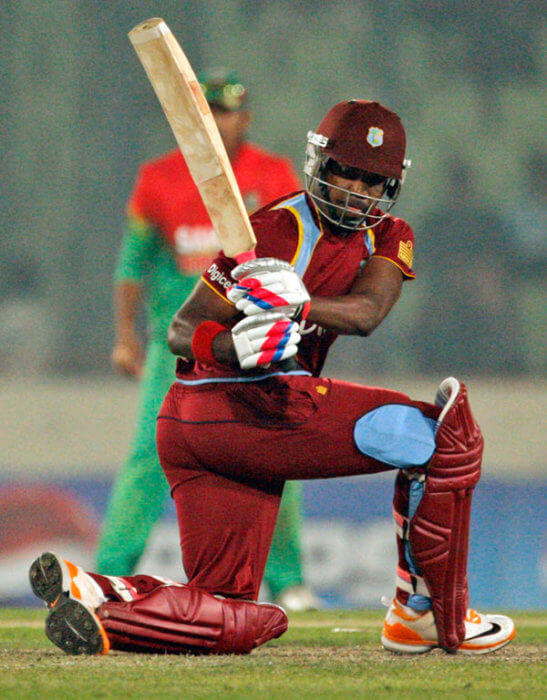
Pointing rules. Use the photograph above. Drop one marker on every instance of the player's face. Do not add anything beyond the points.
(352, 190)
(232, 126)
(346, 196)
(367, 187)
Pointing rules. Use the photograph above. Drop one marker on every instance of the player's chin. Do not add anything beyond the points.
(350, 214)
(351, 222)
(355, 220)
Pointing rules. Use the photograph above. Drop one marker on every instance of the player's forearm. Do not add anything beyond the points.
(365, 306)
(127, 300)
(179, 335)
(354, 314)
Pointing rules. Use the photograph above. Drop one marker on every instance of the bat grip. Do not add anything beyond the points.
(244, 257)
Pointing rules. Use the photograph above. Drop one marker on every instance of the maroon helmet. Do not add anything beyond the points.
(356, 139)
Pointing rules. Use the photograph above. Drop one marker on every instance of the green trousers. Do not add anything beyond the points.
(140, 493)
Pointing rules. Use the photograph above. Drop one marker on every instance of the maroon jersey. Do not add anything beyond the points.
(290, 229)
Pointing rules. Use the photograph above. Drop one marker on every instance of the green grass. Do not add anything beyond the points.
(310, 661)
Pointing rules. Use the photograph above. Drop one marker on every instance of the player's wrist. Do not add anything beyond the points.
(224, 350)
(208, 345)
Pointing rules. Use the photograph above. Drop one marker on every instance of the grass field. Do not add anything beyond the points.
(328, 654)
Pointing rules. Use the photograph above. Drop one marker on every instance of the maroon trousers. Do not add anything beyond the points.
(227, 450)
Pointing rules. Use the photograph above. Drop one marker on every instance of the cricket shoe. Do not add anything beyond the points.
(75, 629)
(407, 631)
(72, 597)
(53, 578)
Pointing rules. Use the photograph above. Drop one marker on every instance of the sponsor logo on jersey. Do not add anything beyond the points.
(405, 252)
(216, 275)
(375, 136)
(194, 248)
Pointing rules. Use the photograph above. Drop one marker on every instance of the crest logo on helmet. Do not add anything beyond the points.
(375, 136)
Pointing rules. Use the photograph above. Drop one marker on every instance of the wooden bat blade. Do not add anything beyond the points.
(196, 133)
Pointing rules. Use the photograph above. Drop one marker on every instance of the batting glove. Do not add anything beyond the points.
(268, 284)
(265, 338)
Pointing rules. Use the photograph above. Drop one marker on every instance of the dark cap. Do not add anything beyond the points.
(365, 135)
(223, 88)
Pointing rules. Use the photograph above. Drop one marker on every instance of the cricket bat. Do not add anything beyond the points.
(196, 133)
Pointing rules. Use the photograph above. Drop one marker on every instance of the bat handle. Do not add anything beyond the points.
(288, 365)
(245, 257)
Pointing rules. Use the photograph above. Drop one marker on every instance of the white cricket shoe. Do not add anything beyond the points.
(72, 597)
(53, 578)
(407, 631)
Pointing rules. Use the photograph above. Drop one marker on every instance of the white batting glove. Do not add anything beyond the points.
(265, 338)
(268, 284)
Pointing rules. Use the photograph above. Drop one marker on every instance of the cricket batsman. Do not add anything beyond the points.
(241, 419)
(168, 242)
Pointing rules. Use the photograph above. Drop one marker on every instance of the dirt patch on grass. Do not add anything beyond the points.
(514, 654)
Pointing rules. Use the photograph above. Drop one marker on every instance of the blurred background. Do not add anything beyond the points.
(78, 116)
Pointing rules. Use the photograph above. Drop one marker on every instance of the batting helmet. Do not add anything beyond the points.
(367, 137)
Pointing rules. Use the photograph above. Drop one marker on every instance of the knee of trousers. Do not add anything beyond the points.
(180, 619)
(399, 435)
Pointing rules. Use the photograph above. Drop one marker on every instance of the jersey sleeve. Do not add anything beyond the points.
(143, 201)
(395, 242)
(139, 240)
(276, 232)
(138, 246)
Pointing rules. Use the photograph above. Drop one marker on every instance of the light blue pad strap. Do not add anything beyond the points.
(396, 434)
(418, 602)
(415, 494)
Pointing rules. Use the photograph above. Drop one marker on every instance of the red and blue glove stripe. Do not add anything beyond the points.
(259, 295)
(274, 345)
